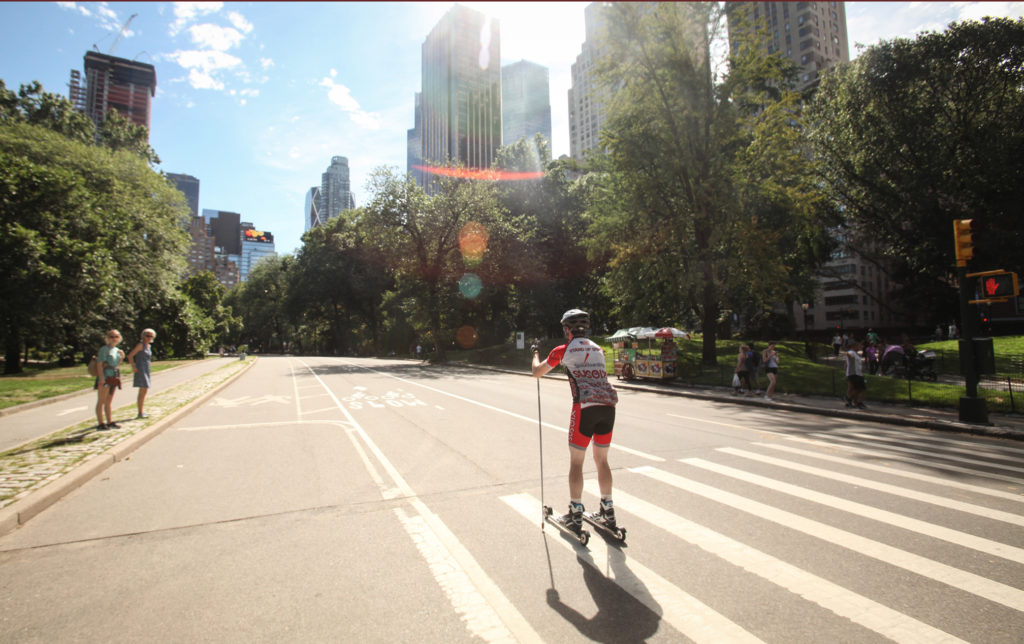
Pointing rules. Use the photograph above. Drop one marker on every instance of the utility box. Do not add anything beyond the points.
(984, 356)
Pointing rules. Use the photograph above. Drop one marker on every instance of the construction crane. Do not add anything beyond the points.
(120, 35)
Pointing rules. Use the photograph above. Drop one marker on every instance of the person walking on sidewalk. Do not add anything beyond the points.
(593, 411)
(109, 358)
(771, 362)
(857, 388)
(140, 359)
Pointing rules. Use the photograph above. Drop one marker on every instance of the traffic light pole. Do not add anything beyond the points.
(972, 408)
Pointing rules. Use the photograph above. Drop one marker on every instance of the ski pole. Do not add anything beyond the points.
(540, 444)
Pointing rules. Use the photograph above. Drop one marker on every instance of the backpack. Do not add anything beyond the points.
(94, 367)
(755, 359)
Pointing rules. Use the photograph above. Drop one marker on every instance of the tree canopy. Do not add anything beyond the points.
(918, 132)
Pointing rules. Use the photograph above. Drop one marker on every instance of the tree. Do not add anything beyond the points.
(90, 236)
(704, 175)
(338, 284)
(261, 302)
(551, 271)
(430, 241)
(208, 295)
(918, 132)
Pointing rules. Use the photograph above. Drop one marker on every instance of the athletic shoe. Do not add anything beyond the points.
(113, 426)
(101, 427)
(141, 416)
(768, 398)
(574, 519)
(608, 513)
(861, 406)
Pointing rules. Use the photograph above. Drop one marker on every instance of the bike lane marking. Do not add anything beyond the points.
(482, 606)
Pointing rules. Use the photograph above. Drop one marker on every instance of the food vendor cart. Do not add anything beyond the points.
(651, 363)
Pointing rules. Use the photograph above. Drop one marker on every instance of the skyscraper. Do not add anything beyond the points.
(189, 186)
(461, 87)
(811, 34)
(114, 83)
(586, 107)
(256, 245)
(414, 142)
(311, 217)
(335, 190)
(525, 102)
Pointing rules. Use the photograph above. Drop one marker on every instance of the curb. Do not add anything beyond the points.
(922, 422)
(21, 511)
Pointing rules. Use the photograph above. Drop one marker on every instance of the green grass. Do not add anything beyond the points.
(37, 382)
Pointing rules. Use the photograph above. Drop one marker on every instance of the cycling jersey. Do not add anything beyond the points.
(588, 379)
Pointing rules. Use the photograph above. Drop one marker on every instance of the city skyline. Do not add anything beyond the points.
(255, 99)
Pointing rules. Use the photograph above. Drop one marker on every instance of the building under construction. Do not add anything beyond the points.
(113, 83)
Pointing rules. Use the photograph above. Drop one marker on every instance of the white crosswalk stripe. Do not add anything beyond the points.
(961, 579)
(831, 596)
(896, 490)
(890, 471)
(833, 441)
(686, 614)
(907, 523)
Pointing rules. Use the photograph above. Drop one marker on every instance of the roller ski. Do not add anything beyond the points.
(604, 521)
(567, 523)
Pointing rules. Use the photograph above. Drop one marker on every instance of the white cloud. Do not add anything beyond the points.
(342, 97)
(185, 12)
(267, 63)
(204, 66)
(239, 21)
(339, 95)
(215, 37)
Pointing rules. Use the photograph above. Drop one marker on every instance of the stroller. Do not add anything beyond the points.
(921, 365)
(898, 363)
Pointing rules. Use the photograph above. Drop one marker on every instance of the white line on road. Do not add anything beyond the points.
(885, 443)
(896, 490)
(644, 455)
(682, 611)
(845, 603)
(955, 537)
(486, 611)
(959, 579)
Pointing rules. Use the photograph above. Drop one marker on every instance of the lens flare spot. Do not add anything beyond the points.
(473, 242)
(470, 286)
(466, 337)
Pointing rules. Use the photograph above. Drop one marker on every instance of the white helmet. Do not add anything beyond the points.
(578, 322)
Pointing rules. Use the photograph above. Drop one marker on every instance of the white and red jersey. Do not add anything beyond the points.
(588, 378)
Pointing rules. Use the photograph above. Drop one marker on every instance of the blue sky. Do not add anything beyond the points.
(255, 98)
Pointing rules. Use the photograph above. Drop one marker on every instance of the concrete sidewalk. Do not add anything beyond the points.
(23, 423)
(38, 473)
(940, 419)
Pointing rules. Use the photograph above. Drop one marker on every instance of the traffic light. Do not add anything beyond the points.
(963, 240)
(999, 285)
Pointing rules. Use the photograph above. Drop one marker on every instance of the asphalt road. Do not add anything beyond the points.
(330, 499)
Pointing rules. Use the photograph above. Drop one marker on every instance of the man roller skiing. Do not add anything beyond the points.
(593, 412)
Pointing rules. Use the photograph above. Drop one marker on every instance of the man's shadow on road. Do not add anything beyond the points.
(621, 616)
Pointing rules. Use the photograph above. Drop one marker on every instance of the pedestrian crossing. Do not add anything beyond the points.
(931, 512)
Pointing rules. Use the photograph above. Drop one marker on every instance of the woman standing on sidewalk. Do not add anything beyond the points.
(109, 357)
(140, 358)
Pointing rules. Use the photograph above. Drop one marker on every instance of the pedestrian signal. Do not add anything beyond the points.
(963, 240)
(999, 285)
